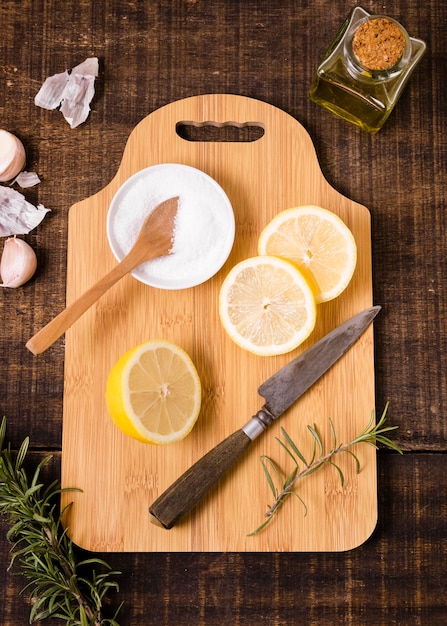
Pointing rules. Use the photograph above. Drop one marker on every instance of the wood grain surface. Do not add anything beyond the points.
(261, 178)
(157, 52)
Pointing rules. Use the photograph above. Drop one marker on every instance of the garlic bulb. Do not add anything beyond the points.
(18, 263)
(12, 156)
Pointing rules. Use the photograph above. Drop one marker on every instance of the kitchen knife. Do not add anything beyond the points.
(280, 392)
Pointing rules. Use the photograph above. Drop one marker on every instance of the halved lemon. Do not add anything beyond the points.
(266, 305)
(153, 393)
(320, 244)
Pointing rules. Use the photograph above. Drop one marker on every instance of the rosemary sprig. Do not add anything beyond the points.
(59, 586)
(372, 434)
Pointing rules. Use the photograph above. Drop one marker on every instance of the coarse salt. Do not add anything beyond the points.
(204, 225)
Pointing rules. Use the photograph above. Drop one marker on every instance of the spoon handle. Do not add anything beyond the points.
(154, 240)
(47, 335)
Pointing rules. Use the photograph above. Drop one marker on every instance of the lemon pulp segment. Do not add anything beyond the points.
(318, 242)
(153, 392)
(266, 306)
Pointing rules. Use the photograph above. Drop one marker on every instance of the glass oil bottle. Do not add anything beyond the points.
(365, 69)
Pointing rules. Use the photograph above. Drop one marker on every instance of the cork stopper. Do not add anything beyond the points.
(378, 43)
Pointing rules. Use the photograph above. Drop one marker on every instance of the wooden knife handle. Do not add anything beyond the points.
(187, 490)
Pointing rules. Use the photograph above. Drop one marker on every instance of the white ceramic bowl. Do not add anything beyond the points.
(204, 227)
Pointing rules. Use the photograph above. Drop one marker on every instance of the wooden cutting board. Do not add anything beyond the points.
(120, 477)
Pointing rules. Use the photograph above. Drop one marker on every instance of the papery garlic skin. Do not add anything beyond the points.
(18, 263)
(71, 91)
(17, 215)
(26, 179)
(12, 156)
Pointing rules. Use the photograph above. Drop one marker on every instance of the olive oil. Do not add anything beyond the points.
(361, 94)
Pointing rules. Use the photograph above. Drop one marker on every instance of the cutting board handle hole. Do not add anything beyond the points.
(220, 131)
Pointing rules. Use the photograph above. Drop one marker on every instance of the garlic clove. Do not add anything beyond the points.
(12, 156)
(18, 263)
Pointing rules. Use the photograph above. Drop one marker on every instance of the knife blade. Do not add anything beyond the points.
(280, 392)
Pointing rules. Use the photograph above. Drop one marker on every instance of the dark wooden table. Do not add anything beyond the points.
(151, 53)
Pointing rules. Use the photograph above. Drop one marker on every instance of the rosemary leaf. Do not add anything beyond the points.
(334, 436)
(293, 447)
(340, 473)
(301, 500)
(356, 459)
(314, 467)
(43, 550)
(261, 527)
(264, 461)
(291, 477)
(316, 436)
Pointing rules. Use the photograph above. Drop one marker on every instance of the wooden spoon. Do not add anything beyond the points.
(154, 240)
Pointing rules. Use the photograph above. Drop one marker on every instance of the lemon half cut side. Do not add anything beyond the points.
(318, 242)
(153, 393)
(266, 306)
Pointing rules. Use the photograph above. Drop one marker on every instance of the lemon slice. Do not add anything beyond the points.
(266, 306)
(153, 393)
(319, 242)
